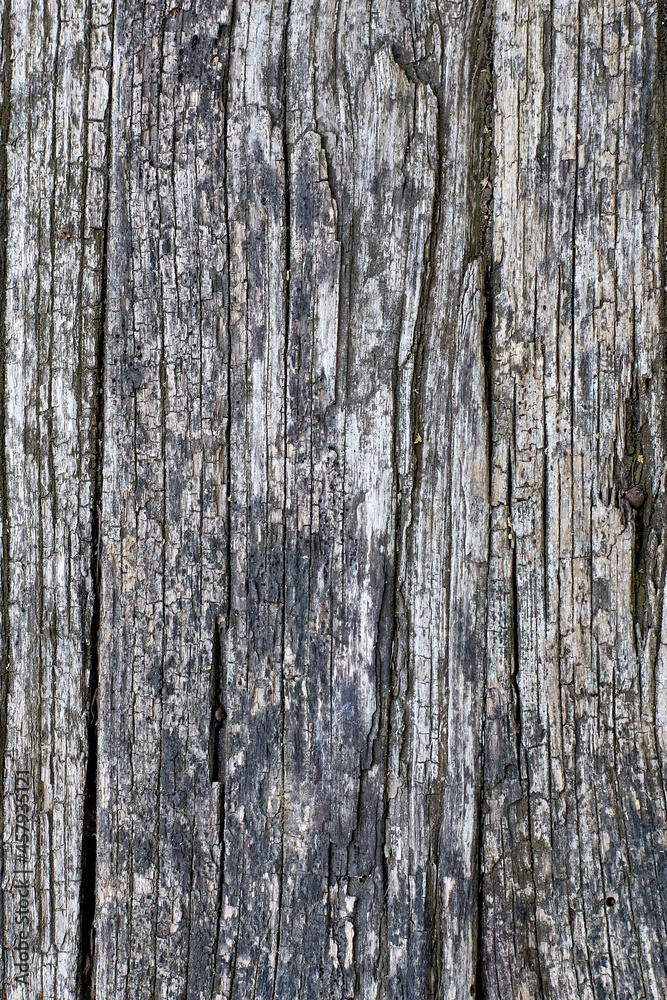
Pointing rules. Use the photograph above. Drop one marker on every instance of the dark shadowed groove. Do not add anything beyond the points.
(218, 713)
(514, 618)
(155, 115)
(287, 269)
(386, 675)
(5, 122)
(48, 331)
(405, 553)
(424, 309)
(227, 361)
(636, 474)
(487, 358)
(377, 757)
(487, 366)
(85, 970)
(479, 35)
(643, 448)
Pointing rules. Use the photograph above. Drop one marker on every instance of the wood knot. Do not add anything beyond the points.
(635, 497)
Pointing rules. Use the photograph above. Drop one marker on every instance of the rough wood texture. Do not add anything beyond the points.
(574, 877)
(333, 658)
(53, 170)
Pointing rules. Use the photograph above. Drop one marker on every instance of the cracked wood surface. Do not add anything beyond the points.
(333, 657)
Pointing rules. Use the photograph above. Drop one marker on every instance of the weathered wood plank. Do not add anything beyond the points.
(55, 67)
(573, 838)
(342, 278)
(333, 657)
(162, 574)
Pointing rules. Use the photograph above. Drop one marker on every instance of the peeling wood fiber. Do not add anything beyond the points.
(331, 338)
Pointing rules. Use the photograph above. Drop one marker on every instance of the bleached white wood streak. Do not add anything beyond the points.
(333, 658)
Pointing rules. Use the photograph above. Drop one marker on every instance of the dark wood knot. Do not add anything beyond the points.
(635, 497)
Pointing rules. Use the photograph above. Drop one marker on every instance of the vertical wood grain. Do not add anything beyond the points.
(332, 653)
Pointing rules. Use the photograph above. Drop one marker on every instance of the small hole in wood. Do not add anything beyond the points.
(610, 900)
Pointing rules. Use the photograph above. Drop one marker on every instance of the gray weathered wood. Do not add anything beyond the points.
(53, 177)
(574, 873)
(333, 655)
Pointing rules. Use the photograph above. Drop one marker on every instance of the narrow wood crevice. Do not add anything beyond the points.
(487, 352)
(477, 987)
(89, 835)
(218, 712)
(85, 989)
(385, 663)
(408, 523)
(386, 673)
(419, 346)
(640, 452)
(514, 630)
(373, 786)
(45, 330)
(287, 167)
(660, 111)
(154, 110)
(636, 473)
(5, 123)
(654, 514)
(225, 41)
